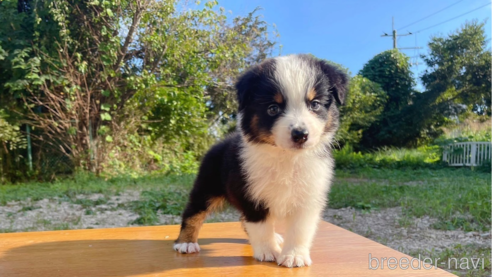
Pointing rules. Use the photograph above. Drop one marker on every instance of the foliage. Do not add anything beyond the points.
(136, 86)
(464, 137)
(457, 84)
(81, 69)
(136, 154)
(10, 136)
(253, 32)
(365, 101)
(11, 141)
(469, 130)
(393, 158)
(391, 70)
(458, 78)
(485, 166)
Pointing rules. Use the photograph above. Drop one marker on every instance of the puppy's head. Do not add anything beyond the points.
(289, 102)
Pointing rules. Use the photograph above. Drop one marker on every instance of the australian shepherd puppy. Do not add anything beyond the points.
(278, 166)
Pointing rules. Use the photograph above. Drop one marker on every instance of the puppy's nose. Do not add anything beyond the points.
(299, 135)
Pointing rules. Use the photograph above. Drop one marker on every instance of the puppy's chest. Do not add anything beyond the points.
(285, 183)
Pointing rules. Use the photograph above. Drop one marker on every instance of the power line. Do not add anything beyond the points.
(452, 18)
(431, 14)
(396, 36)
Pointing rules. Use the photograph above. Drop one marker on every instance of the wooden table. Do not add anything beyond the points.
(147, 251)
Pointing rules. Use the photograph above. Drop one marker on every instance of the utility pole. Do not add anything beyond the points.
(395, 35)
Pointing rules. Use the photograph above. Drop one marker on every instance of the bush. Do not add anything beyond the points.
(485, 167)
(12, 167)
(139, 155)
(393, 158)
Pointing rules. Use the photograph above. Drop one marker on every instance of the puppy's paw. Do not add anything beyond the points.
(279, 239)
(294, 259)
(266, 252)
(186, 247)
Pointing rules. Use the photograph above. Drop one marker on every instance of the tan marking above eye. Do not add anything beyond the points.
(278, 98)
(311, 94)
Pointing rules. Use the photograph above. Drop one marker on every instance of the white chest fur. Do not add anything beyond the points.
(286, 181)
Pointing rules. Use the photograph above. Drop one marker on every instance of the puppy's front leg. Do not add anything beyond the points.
(301, 227)
(263, 239)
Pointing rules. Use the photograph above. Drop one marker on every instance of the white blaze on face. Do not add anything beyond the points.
(296, 78)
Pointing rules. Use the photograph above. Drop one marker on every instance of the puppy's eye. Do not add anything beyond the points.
(315, 105)
(273, 110)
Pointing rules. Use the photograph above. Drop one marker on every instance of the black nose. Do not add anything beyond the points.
(299, 135)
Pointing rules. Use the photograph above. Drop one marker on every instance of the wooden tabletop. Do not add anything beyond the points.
(147, 251)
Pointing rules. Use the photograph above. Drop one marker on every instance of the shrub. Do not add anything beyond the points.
(422, 157)
(485, 167)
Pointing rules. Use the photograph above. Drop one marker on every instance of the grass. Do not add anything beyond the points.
(160, 194)
(463, 260)
(169, 201)
(459, 198)
(81, 184)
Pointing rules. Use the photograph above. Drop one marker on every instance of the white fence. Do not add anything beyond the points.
(467, 153)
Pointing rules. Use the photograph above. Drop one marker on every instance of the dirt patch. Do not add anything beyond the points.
(55, 214)
(391, 228)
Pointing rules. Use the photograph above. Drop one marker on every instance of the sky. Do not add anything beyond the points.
(349, 32)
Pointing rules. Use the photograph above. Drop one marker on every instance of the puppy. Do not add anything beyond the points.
(278, 165)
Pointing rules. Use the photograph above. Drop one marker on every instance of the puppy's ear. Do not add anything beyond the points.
(250, 82)
(245, 87)
(337, 79)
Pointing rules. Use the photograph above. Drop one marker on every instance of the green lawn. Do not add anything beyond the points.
(459, 198)
(167, 194)
(87, 184)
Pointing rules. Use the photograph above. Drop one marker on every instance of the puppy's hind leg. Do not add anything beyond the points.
(197, 209)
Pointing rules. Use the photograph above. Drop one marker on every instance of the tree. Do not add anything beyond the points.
(365, 102)
(83, 69)
(457, 84)
(458, 74)
(254, 32)
(391, 70)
